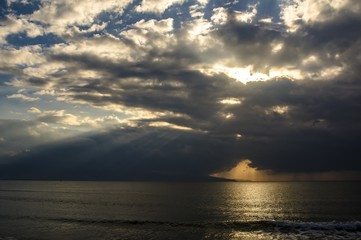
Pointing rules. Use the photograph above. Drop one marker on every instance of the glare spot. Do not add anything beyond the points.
(280, 109)
(230, 101)
(169, 125)
(277, 47)
(229, 115)
(265, 20)
(277, 109)
(310, 59)
(243, 75)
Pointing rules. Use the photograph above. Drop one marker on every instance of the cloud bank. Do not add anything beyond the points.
(180, 90)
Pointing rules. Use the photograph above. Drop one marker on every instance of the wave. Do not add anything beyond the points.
(354, 226)
(264, 225)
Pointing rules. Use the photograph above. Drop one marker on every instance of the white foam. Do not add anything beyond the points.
(329, 226)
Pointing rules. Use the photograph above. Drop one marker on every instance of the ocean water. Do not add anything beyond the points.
(159, 210)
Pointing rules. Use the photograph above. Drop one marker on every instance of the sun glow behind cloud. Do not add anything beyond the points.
(243, 75)
(247, 74)
(244, 171)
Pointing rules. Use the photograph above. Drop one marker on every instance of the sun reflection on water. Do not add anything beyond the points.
(255, 201)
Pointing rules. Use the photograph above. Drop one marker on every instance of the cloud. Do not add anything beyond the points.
(11, 58)
(198, 98)
(59, 15)
(34, 110)
(61, 118)
(15, 25)
(293, 141)
(131, 153)
(161, 26)
(296, 13)
(23, 97)
(156, 6)
(21, 136)
(50, 127)
(245, 172)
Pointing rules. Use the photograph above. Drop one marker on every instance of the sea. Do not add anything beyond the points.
(179, 210)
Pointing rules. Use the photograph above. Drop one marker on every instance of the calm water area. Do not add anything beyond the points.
(191, 210)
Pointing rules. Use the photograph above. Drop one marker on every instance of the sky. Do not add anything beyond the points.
(259, 90)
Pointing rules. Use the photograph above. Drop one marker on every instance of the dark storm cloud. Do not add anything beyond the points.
(319, 133)
(141, 153)
(293, 143)
(320, 128)
(253, 45)
(168, 85)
